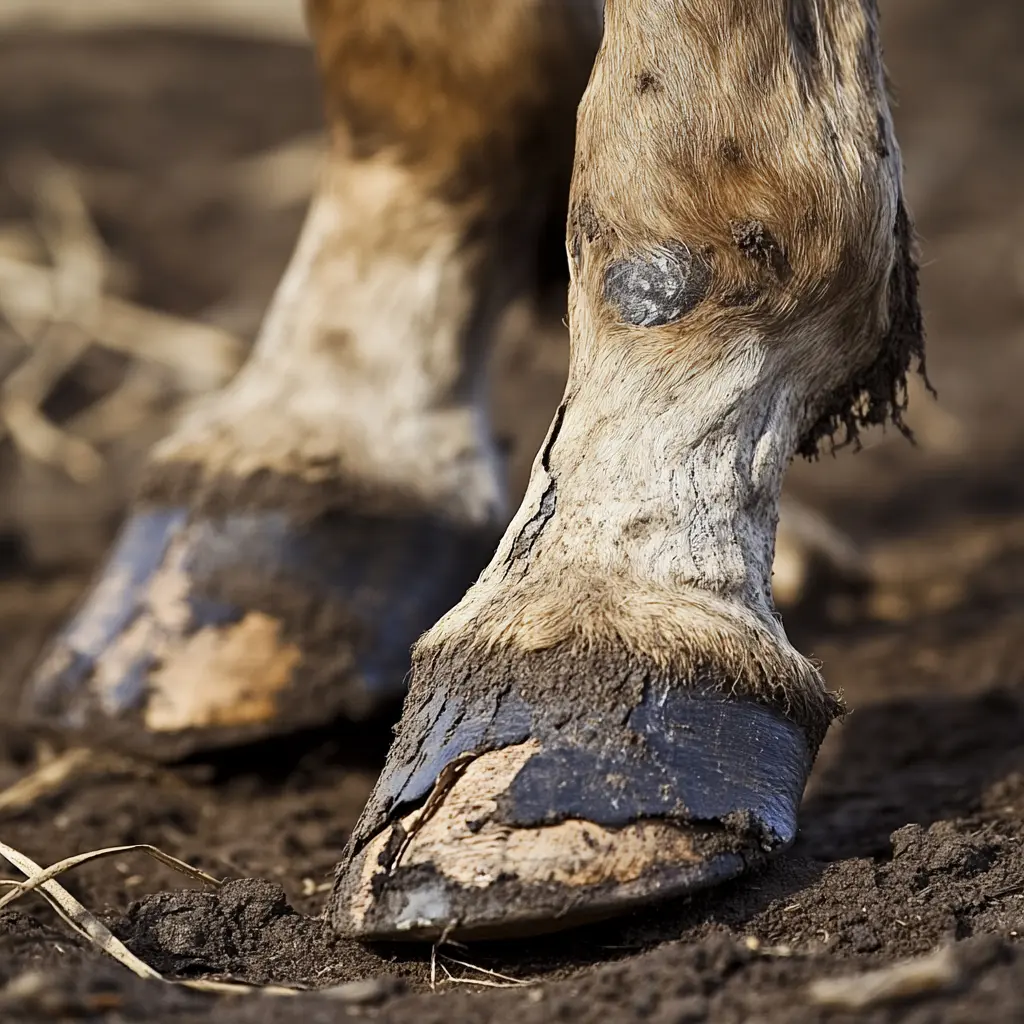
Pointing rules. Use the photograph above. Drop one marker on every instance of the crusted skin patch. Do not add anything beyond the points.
(758, 244)
(646, 81)
(659, 288)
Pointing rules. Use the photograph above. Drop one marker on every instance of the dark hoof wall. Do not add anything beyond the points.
(207, 632)
(555, 830)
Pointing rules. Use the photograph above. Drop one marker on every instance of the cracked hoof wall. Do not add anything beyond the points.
(506, 823)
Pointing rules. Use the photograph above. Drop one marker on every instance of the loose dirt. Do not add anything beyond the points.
(913, 826)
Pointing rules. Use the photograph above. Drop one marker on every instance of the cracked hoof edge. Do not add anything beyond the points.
(543, 834)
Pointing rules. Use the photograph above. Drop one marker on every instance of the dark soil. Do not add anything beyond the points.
(913, 825)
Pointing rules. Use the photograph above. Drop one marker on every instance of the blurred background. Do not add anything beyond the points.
(155, 163)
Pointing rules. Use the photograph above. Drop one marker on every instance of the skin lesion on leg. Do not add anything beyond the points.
(741, 286)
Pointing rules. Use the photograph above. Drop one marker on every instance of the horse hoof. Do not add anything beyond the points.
(494, 818)
(204, 632)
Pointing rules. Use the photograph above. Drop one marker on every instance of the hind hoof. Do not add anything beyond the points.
(204, 632)
(494, 818)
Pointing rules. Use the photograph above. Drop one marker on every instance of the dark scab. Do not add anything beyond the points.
(575, 248)
(758, 244)
(657, 289)
(638, 527)
(585, 220)
(647, 81)
(584, 224)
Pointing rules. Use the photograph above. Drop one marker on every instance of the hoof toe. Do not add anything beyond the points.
(509, 824)
(206, 632)
(455, 871)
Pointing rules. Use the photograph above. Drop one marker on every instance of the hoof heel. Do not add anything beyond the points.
(508, 820)
(206, 632)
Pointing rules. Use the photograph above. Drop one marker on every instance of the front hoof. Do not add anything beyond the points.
(507, 819)
(203, 632)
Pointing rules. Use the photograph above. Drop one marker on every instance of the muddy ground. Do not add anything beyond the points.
(913, 826)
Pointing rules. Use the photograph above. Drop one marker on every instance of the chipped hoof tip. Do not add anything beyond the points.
(207, 632)
(555, 830)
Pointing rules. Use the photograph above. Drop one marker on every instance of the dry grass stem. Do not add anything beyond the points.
(127, 408)
(35, 436)
(202, 357)
(484, 970)
(79, 268)
(936, 972)
(58, 311)
(87, 925)
(80, 920)
(47, 778)
(83, 858)
(480, 982)
(76, 287)
(236, 988)
(76, 250)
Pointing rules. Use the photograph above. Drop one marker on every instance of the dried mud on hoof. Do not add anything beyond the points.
(209, 631)
(507, 810)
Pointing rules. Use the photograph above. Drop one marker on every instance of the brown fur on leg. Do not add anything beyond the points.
(451, 125)
(474, 95)
(878, 394)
